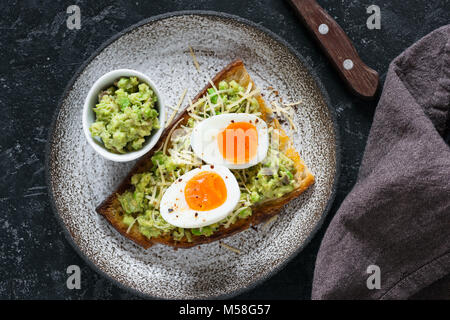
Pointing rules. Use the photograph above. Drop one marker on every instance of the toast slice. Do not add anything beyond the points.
(112, 210)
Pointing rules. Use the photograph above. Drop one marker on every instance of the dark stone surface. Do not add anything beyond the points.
(39, 55)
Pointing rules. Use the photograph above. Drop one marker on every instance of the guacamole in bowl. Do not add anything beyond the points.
(125, 115)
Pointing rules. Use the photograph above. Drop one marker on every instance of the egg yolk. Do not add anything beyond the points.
(205, 191)
(238, 142)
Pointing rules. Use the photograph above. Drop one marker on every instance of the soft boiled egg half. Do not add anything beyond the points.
(234, 140)
(200, 197)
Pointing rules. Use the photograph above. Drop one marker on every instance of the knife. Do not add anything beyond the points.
(361, 79)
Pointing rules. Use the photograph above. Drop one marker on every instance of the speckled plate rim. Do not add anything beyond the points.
(249, 23)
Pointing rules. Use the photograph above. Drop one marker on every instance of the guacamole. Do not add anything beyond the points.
(271, 178)
(125, 115)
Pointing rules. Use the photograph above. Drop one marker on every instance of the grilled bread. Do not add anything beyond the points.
(112, 210)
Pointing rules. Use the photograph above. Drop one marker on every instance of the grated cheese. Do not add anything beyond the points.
(158, 201)
(194, 58)
(131, 225)
(287, 115)
(180, 101)
(169, 135)
(226, 246)
(211, 107)
(292, 104)
(171, 107)
(217, 91)
(196, 117)
(152, 198)
(159, 148)
(193, 106)
(246, 96)
(264, 227)
(247, 107)
(235, 214)
(162, 174)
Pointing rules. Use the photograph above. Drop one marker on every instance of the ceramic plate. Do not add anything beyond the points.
(80, 179)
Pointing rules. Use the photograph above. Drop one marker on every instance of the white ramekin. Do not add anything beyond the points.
(89, 116)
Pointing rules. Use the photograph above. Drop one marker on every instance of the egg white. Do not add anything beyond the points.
(181, 215)
(205, 134)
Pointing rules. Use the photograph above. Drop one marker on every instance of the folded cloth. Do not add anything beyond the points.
(397, 216)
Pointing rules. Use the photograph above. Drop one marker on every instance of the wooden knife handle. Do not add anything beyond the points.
(361, 79)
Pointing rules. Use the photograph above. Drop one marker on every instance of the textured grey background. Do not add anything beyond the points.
(39, 55)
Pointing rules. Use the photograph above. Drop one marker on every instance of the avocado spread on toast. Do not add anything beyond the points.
(270, 179)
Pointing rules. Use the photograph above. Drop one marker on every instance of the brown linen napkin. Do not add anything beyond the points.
(397, 216)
